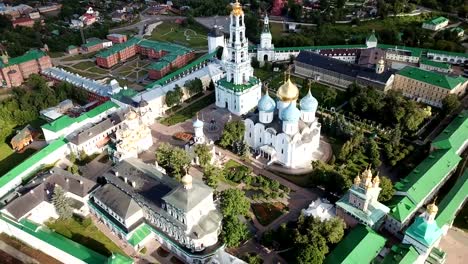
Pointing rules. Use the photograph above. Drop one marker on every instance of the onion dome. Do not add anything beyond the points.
(291, 113)
(266, 103)
(288, 91)
(432, 209)
(357, 180)
(131, 115)
(308, 103)
(237, 9)
(376, 181)
(197, 123)
(367, 174)
(143, 103)
(187, 181)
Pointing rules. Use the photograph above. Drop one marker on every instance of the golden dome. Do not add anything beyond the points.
(357, 180)
(432, 209)
(132, 115)
(367, 173)
(237, 9)
(187, 181)
(381, 61)
(288, 91)
(376, 181)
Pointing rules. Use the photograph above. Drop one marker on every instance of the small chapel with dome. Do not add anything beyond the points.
(281, 132)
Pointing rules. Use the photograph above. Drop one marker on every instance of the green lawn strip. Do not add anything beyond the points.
(84, 65)
(9, 159)
(266, 213)
(172, 32)
(80, 56)
(188, 112)
(98, 70)
(86, 235)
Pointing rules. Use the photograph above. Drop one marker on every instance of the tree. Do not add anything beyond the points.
(450, 103)
(212, 86)
(328, 97)
(62, 203)
(175, 160)
(174, 97)
(387, 189)
(234, 203)
(310, 254)
(194, 86)
(233, 133)
(203, 153)
(333, 230)
(373, 152)
(234, 231)
(254, 259)
(211, 176)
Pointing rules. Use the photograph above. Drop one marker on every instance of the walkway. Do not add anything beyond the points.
(455, 244)
(16, 253)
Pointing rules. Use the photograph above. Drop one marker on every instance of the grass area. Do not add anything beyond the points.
(83, 73)
(9, 158)
(96, 69)
(172, 32)
(40, 256)
(86, 233)
(461, 221)
(189, 111)
(84, 65)
(232, 164)
(263, 74)
(81, 56)
(266, 213)
(276, 29)
(56, 54)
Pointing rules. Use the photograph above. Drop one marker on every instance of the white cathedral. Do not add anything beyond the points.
(283, 134)
(239, 91)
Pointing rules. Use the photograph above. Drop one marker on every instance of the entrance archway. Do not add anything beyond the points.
(265, 57)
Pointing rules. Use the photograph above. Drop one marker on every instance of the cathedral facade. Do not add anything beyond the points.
(240, 90)
(280, 132)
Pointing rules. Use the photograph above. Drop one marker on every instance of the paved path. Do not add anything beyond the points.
(455, 244)
(16, 253)
(120, 243)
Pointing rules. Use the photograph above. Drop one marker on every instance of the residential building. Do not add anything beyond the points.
(430, 65)
(240, 90)
(23, 22)
(459, 31)
(281, 133)
(89, 17)
(360, 205)
(117, 38)
(95, 44)
(34, 200)
(436, 23)
(447, 56)
(14, 71)
(342, 74)
(361, 245)
(423, 182)
(141, 203)
(428, 87)
(168, 55)
(22, 138)
(72, 50)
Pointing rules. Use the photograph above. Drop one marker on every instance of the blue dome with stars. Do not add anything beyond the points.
(266, 103)
(291, 113)
(308, 103)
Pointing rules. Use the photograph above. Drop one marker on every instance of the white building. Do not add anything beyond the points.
(215, 39)
(239, 91)
(200, 138)
(436, 23)
(321, 209)
(266, 50)
(282, 133)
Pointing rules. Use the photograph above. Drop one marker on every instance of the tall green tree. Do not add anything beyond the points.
(450, 103)
(233, 133)
(203, 153)
(387, 191)
(234, 203)
(175, 160)
(234, 231)
(211, 176)
(174, 97)
(62, 203)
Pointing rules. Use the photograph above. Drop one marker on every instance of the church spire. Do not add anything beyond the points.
(266, 24)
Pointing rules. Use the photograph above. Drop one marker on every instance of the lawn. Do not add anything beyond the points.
(9, 158)
(189, 111)
(276, 29)
(83, 73)
(191, 36)
(266, 213)
(86, 233)
(84, 65)
(263, 74)
(232, 164)
(81, 56)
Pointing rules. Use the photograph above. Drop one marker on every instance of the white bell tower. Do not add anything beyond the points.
(266, 50)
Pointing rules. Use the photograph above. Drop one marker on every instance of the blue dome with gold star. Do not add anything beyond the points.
(266, 103)
(291, 113)
(308, 103)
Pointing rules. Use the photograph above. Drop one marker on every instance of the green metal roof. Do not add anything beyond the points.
(62, 243)
(401, 254)
(401, 207)
(449, 53)
(433, 78)
(436, 21)
(159, 65)
(168, 77)
(139, 234)
(374, 217)
(92, 43)
(423, 231)
(437, 64)
(422, 180)
(457, 29)
(356, 46)
(455, 134)
(454, 199)
(66, 121)
(372, 37)
(118, 47)
(71, 47)
(33, 54)
(31, 161)
(360, 246)
(117, 258)
(238, 87)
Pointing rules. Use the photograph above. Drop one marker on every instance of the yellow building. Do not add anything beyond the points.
(428, 87)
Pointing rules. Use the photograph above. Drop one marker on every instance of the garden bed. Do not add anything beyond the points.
(266, 213)
(26, 249)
